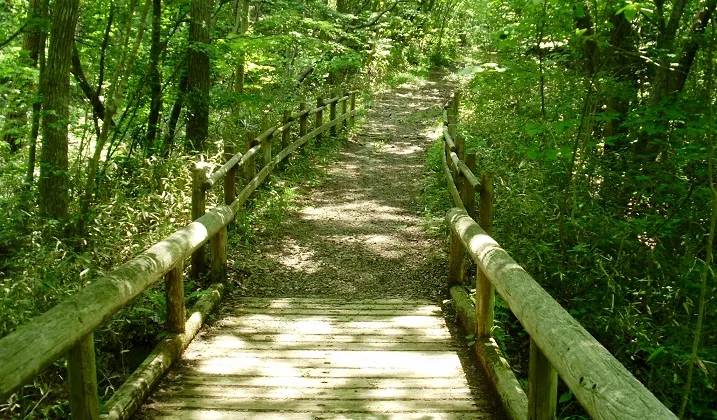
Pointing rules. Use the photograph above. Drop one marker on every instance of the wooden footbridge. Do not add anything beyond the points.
(322, 358)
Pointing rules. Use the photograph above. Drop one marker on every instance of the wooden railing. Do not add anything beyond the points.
(559, 345)
(67, 329)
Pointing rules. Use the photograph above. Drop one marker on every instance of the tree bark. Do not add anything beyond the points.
(155, 77)
(54, 177)
(37, 102)
(198, 75)
(174, 115)
(16, 118)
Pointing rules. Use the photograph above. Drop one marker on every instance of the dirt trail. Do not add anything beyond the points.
(359, 234)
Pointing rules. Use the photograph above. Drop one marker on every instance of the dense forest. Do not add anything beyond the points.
(595, 117)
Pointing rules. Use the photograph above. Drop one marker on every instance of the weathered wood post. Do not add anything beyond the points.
(332, 118)
(303, 119)
(542, 386)
(265, 141)
(230, 179)
(344, 106)
(485, 293)
(199, 207)
(452, 132)
(455, 261)
(287, 131)
(218, 245)
(456, 106)
(82, 380)
(250, 165)
(468, 193)
(176, 310)
(319, 117)
(353, 107)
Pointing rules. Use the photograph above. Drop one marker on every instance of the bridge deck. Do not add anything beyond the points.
(320, 359)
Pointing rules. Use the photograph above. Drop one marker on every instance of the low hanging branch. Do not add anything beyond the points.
(14, 35)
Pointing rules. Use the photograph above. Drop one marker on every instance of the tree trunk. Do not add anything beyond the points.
(155, 77)
(54, 177)
(16, 118)
(174, 115)
(37, 102)
(198, 75)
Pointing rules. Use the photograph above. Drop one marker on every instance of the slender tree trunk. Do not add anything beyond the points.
(155, 77)
(54, 177)
(16, 118)
(37, 102)
(174, 115)
(114, 99)
(198, 75)
(243, 27)
(706, 269)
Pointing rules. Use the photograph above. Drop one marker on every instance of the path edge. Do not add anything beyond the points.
(512, 396)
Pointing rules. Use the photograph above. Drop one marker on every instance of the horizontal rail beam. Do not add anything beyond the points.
(35, 345)
(221, 172)
(449, 139)
(38, 343)
(451, 183)
(604, 387)
(472, 179)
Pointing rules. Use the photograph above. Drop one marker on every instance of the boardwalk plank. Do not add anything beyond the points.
(320, 359)
(253, 415)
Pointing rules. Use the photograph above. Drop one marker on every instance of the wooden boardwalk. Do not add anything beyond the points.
(320, 359)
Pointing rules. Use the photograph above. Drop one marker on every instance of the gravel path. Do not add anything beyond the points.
(358, 234)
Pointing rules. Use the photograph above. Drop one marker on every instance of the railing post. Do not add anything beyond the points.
(218, 245)
(460, 144)
(456, 106)
(468, 194)
(82, 380)
(344, 105)
(319, 117)
(199, 199)
(485, 292)
(353, 107)
(176, 310)
(332, 117)
(455, 261)
(285, 133)
(230, 180)
(302, 120)
(250, 166)
(266, 141)
(542, 386)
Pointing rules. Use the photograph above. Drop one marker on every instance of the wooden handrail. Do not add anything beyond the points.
(449, 139)
(35, 345)
(467, 173)
(235, 160)
(604, 387)
(559, 345)
(69, 325)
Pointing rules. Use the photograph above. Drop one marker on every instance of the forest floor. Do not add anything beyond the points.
(359, 234)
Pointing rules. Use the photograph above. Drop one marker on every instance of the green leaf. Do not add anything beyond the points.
(532, 153)
(566, 397)
(532, 129)
(551, 154)
(655, 352)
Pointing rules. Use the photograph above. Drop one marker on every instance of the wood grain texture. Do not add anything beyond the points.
(513, 398)
(82, 380)
(602, 385)
(39, 342)
(321, 358)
